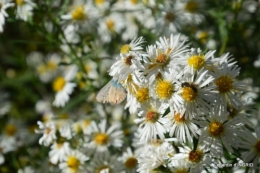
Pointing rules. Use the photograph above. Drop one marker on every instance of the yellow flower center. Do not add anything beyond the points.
(86, 123)
(216, 129)
(203, 36)
(78, 13)
(224, 84)
(128, 60)
(196, 61)
(257, 147)
(142, 95)
(131, 162)
(73, 163)
(10, 129)
(51, 65)
(111, 25)
(20, 2)
(191, 6)
(164, 89)
(179, 118)
(41, 69)
(0, 5)
(103, 168)
(58, 84)
(169, 17)
(125, 49)
(99, 2)
(134, 1)
(189, 94)
(161, 58)
(151, 116)
(195, 156)
(48, 130)
(101, 138)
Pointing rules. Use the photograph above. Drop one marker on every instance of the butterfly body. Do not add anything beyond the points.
(113, 92)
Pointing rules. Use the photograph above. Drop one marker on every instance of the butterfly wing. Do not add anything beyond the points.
(102, 95)
(116, 93)
(113, 92)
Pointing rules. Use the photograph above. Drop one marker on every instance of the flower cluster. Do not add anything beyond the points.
(184, 95)
(173, 102)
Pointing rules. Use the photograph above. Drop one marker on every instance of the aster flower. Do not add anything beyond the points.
(58, 152)
(63, 87)
(181, 126)
(155, 158)
(24, 9)
(4, 4)
(227, 85)
(49, 133)
(170, 19)
(197, 91)
(126, 65)
(166, 87)
(177, 166)
(130, 160)
(152, 121)
(197, 159)
(135, 46)
(195, 60)
(191, 10)
(110, 25)
(73, 162)
(83, 14)
(216, 129)
(252, 145)
(104, 162)
(102, 137)
(161, 58)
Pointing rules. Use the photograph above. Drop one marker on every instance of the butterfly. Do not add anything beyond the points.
(113, 92)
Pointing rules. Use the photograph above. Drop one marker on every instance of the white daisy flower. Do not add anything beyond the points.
(169, 20)
(166, 87)
(103, 136)
(84, 14)
(251, 143)
(66, 130)
(73, 162)
(129, 160)
(191, 10)
(177, 166)
(217, 129)
(152, 121)
(181, 126)
(110, 25)
(195, 60)
(49, 133)
(104, 162)
(24, 9)
(197, 92)
(227, 85)
(63, 87)
(155, 157)
(161, 59)
(135, 46)
(58, 152)
(125, 65)
(4, 4)
(198, 159)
